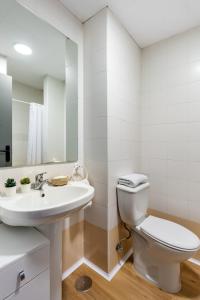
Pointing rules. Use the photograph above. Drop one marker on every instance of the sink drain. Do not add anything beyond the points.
(83, 284)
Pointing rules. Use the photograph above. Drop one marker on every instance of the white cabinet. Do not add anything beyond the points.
(37, 288)
(30, 266)
(24, 264)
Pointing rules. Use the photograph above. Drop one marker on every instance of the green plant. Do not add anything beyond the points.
(10, 182)
(25, 180)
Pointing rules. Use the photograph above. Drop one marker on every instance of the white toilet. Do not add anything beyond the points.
(159, 245)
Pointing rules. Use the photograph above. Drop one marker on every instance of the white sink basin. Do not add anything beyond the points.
(32, 209)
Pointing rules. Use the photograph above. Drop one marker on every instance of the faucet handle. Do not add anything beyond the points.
(39, 177)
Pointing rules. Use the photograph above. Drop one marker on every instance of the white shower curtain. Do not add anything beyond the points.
(35, 134)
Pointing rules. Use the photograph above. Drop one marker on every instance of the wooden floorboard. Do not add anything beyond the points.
(127, 285)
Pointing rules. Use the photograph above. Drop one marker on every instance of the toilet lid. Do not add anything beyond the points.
(170, 233)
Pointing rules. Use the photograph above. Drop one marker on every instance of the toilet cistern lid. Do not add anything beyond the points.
(169, 233)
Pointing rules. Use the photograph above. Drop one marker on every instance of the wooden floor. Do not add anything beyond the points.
(127, 285)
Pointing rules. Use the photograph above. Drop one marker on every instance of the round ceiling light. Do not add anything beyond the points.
(23, 49)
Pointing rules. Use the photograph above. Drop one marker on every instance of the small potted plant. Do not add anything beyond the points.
(10, 187)
(25, 185)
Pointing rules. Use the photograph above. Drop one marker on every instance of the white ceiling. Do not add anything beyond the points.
(148, 21)
(19, 25)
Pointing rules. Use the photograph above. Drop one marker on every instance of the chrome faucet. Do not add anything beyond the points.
(39, 181)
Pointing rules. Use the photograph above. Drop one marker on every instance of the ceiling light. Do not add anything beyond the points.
(23, 49)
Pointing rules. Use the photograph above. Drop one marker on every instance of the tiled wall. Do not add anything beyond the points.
(95, 125)
(170, 124)
(145, 121)
(112, 86)
(123, 98)
(96, 115)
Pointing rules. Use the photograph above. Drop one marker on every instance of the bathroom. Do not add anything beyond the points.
(111, 88)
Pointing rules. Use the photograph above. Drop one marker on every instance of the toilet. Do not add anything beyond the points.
(159, 245)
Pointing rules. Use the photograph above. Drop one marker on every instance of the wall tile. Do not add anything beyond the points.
(97, 215)
(193, 151)
(170, 123)
(194, 208)
(194, 112)
(193, 132)
(177, 151)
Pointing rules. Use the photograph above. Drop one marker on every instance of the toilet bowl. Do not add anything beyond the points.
(159, 245)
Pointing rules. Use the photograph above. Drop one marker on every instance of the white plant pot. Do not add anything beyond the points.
(10, 191)
(25, 188)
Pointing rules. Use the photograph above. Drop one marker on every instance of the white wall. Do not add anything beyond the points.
(3, 64)
(20, 122)
(20, 115)
(170, 127)
(54, 124)
(26, 93)
(123, 81)
(112, 94)
(18, 173)
(95, 114)
(71, 95)
(20, 119)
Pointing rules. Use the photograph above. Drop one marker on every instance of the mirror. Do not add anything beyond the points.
(38, 90)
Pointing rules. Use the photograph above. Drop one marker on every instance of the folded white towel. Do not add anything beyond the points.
(133, 180)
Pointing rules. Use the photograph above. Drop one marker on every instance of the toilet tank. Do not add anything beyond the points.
(133, 203)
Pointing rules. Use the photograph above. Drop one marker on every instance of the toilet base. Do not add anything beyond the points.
(164, 276)
(167, 278)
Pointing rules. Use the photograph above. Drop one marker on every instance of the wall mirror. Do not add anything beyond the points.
(38, 90)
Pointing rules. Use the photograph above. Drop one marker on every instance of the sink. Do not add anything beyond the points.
(47, 214)
(32, 209)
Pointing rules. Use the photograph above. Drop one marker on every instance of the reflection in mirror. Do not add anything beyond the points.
(38, 90)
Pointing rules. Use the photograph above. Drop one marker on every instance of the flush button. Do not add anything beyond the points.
(22, 276)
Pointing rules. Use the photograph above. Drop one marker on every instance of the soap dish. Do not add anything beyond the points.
(59, 180)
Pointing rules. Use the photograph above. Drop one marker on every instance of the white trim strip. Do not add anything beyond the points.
(120, 264)
(72, 268)
(115, 270)
(95, 268)
(194, 261)
(108, 276)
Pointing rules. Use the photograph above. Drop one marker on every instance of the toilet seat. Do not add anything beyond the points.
(169, 234)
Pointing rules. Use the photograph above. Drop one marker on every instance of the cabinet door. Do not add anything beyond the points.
(38, 288)
(32, 264)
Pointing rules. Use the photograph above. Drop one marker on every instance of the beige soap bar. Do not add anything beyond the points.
(59, 180)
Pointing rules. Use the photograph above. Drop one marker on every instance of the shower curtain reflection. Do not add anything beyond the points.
(35, 134)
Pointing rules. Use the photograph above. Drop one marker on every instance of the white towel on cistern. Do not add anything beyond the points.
(133, 180)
